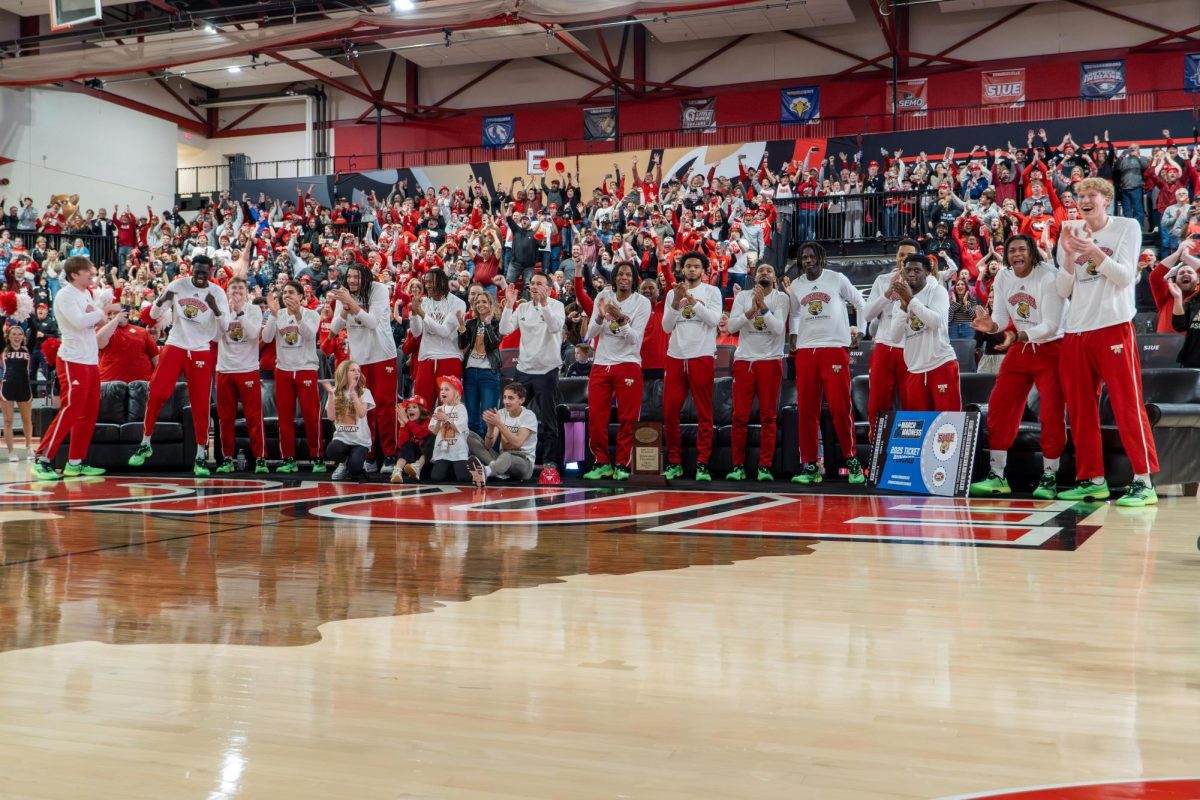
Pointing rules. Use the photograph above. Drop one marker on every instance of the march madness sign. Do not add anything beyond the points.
(1004, 87)
(925, 452)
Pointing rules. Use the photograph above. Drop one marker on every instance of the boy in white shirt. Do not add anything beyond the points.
(511, 443)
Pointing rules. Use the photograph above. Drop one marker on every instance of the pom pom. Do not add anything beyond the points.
(544, 164)
(24, 307)
(8, 303)
(50, 348)
(559, 166)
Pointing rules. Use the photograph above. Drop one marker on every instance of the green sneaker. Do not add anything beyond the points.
(200, 468)
(808, 474)
(1047, 488)
(77, 470)
(260, 466)
(764, 474)
(43, 470)
(288, 465)
(1086, 491)
(620, 473)
(226, 466)
(319, 466)
(1138, 495)
(738, 474)
(702, 473)
(991, 486)
(856, 476)
(673, 471)
(598, 472)
(140, 455)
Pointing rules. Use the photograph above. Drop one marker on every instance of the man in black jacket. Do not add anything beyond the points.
(524, 251)
(1128, 175)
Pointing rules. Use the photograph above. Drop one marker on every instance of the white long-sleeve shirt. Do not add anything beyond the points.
(295, 340)
(78, 314)
(818, 309)
(1032, 303)
(693, 327)
(541, 335)
(195, 326)
(880, 305)
(1102, 295)
(369, 332)
(438, 329)
(237, 349)
(762, 337)
(925, 328)
(619, 344)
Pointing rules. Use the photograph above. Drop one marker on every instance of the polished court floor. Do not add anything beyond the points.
(173, 638)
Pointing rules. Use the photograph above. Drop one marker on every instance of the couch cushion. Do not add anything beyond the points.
(106, 433)
(131, 432)
(114, 400)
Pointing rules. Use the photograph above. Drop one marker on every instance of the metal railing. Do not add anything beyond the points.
(845, 219)
(216, 179)
(101, 249)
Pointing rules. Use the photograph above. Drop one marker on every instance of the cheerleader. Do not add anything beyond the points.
(15, 390)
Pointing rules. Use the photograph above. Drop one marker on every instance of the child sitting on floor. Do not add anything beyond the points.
(414, 439)
(348, 404)
(449, 423)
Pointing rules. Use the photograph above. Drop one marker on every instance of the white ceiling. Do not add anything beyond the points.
(974, 5)
(479, 45)
(771, 16)
(215, 74)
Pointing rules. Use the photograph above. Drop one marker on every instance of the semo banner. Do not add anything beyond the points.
(911, 96)
(1005, 87)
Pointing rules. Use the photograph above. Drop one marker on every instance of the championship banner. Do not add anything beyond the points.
(800, 104)
(599, 124)
(912, 96)
(1191, 73)
(1004, 87)
(1102, 80)
(925, 452)
(498, 131)
(698, 115)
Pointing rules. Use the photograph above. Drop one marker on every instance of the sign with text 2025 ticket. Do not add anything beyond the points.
(922, 452)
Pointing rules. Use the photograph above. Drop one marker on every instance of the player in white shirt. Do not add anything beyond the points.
(619, 319)
(759, 317)
(690, 317)
(540, 321)
(434, 317)
(822, 335)
(199, 313)
(921, 317)
(364, 310)
(511, 443)
(78, 370)
(293, 328)
(1097, 261)
(887, 370)
(238, 378)
(1026, 294)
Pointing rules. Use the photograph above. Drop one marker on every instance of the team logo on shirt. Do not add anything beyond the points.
(760, 323)
(192, 308)
(291, 337)
(614, 326)
(915, 324)
(815, 302)
(688, 312)
(236, 334)
(1023, 303)
(1092, 266)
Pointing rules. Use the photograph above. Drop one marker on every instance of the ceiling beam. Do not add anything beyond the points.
(885, 23)
(732, 43)
(832, 48)
(186, 123)
(1153, 43)
(162, 5)
(575, 72)
(991, 26)
(179, 98)
(254, 110)
(488, 71)
(1126, 18)
(350, 90)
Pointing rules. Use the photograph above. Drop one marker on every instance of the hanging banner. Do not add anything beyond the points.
(925, 452)
(599, 124)
(800, 104)
(912, 96)
(1005, 87)
(698, 115)
(498, 131)
(1102, 80)
(1191, 73)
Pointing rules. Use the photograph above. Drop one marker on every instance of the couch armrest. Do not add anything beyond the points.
(1173, 415)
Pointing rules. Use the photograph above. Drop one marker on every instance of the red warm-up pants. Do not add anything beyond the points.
(1108, 355)
(290, 388)
(887, 376)
(625, 382)
(247, 387)
(935, 390)
(756, 379)
(685, 375)
(380, 378)
(1024, 366)
(198, 367)
(425, 378)
(80, 387)
(823, 370)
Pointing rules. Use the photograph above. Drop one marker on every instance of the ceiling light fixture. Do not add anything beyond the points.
(209, 28)
(403, 5)
(235, 68)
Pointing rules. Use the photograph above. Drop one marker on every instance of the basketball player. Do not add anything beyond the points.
(692, 313)
(619, 320)
(1026, 294)
(364, 310)
(887, 369)
(293, 328)
(1097, 261)
(822, 335)
(238, 377)
(199, 311)
(759, 317)
(78, 368)
(434, 317)
(921, 317)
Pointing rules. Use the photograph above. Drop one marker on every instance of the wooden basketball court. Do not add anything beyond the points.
(177, 638)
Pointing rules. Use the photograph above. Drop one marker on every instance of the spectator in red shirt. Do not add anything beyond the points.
(129, 355)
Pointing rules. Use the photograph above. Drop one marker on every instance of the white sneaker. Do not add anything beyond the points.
(13, 458)
(341, 473)
(371, 467)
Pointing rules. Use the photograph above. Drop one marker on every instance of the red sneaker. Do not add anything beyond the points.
(549, 477)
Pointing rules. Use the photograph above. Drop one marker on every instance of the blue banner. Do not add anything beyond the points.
(498, 131)
(925, 452)
(800, 104)
(1102, 80)
(1191, 73)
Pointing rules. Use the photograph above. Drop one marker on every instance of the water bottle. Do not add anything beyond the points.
(241, 461)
